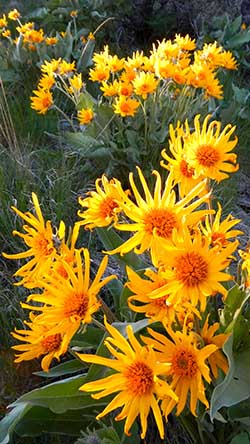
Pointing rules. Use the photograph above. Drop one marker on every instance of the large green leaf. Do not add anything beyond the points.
(59, 396)
(39, 420)
(7, 424)
(235, 387)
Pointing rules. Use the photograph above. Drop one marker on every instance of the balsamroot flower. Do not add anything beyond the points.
(155, 217)
(186, 370)
(39, 341)
(70, 298)
(42, 101)
(38, 237)
(136, 379)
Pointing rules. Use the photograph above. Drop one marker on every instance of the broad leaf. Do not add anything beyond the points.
(66, 368)
(7, 424)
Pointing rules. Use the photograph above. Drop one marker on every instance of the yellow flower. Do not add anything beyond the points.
(158, 309)
(115, 64)
(39, 341)
(99, 73)
(103, 205)
(124, 106)
(66, 67)
(70, 298)
(85, 116)
(125, 88)
(14, 14)
(217, 359)
(136, 378)
(110, 89)
(33, 36)
(91, 36)
(38, 237)
(209, 150)
(155, 217)
(187, 367)
(3, 21)
(183, 174)
(219, 232)
(6, 33)
(51, 67)
(26, 27)
(46, 82)
(74, 13)
(42, 101)
(76, 82)
(185, 43)
(192, 268)
(144, 83)
(50, 41)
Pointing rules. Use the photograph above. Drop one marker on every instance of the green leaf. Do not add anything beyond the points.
(89, 338)
(235, 386)
(239, 39)
(242, 438)
(60, 396)
(66, 368)
(85, 144)
(240, 410)
(234, 303)
(111, 240)
(7, 424)
(39, 420)
(85, 101)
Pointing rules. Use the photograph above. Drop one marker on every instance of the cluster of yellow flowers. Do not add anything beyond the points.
(190, 249)
(126, 83)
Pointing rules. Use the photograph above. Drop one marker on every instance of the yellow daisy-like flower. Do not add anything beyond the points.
(137, 379)
(115, 64)
(195, 269)
(46, 82)
(70, 298)
(33, 36)
(39, 341)
(219, 233)
(42, 101)
(185, 43)
(14, 14)
(217, 359)
(183, 174)
(125, 106)
(158, 309)
(187, 367)
(101, 206)
(50, 41)
(66, 68)
(85, 116)
(38, 237)
(144, 83)
(3, 21)
(51, 67)
(99, 74)
(110, 89)
(209, 149)
(155, 217)
(76, 82)
(6, 33)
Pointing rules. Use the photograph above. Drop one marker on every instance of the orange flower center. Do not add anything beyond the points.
(207, 155)
(51, 342)
(46, 102)
(184, 363)
(191, 269)
(219, 238)
(42, 245)
(76, 305)
(160, 221)
(186, 170)
(107, 207)
(125, 107)
(140, 379)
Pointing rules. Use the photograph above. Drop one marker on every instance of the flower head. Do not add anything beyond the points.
(38, 236)
(217, 359)
(136, 378)
(39, 341)
(85, 116)
(101, 206)
(125, 106)
(42, 101)
(187, 367)
(209, 150)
